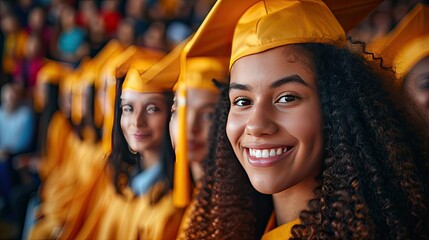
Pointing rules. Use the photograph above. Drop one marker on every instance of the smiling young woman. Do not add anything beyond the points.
(306, 133)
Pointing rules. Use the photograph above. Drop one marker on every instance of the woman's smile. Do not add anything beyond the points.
(267, 157)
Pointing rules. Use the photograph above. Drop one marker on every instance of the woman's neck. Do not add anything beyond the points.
(149, 158)
(289, 203)
(197, 172)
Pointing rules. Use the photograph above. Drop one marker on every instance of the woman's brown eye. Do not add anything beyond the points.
(127, 108)
(287, 99)
(152, 109)
(242, 102)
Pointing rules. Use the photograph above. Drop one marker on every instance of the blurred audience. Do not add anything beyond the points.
(27, 68)
(16, 134)
(13, 49)
(70, 44)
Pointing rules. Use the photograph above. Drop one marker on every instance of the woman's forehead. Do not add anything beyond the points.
(274, 64)
(138, 96)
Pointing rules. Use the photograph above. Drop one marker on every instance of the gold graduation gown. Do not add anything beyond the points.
(58, 133)
(281, 232)
(110, 215)
(186, 219)
(66, 191)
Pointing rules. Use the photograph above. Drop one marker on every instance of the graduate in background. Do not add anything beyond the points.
(64, 183)
(131, 199)
(406, 49)
(307, 123)
(193, 111)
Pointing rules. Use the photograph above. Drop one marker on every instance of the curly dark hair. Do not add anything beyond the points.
(121, 160)
(374, 178)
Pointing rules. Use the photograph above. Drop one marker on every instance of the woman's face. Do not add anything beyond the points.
(417, 84)
(275, 121)
(143, 119)
(199, 114)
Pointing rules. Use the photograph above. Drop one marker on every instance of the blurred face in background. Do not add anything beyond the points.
(8, 24)
(10, 96)
(67, 18)
(125, 33)
(200, 109)
(143, 120)
(36, 20)
(417, 85)
(32, 47)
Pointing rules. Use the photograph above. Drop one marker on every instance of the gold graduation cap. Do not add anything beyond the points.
(52, 72)
(408, 43)
(156, 76)
(77, 86)
(238, 28)
(93, 74)
(107, 53)
(198, 72)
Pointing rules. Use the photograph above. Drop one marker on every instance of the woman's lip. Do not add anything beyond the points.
(194, 145)
(141, 136)
(266, 161)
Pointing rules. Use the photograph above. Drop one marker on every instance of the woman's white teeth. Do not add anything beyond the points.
(264, 153)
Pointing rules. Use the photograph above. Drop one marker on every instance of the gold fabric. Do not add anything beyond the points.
(109, 215)
(200, 71)
(136, 80)
(52, 72)
(281, 232)
(216, 35)
(77, 88)
(258, 29)
(408, 43)
(66, 191)
(182, 181)
(107, 54)
(59, 130)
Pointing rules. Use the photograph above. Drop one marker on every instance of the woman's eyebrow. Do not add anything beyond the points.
(238, 86)
(289, 79)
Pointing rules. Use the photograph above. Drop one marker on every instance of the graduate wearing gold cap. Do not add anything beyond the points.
(54, 127)
(192, 114)
(117, 68)
(131, 197)
(92, 79)
(196, 97)
(71, 166)
(406, 49)
(304, 132)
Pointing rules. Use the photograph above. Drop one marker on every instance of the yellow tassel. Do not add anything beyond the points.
(182, 185)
